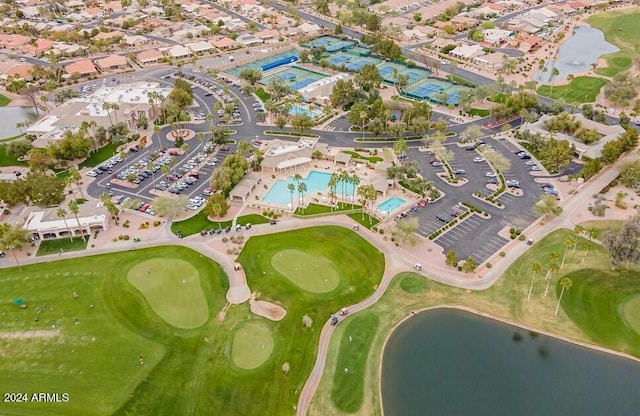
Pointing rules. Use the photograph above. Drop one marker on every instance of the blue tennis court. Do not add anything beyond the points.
(386, 70)
(330, 44)
(266, 64)
(296, 78)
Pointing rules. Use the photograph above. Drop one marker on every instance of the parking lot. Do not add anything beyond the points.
(477, 237)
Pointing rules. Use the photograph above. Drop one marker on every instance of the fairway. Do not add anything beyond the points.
(252, 346)
(172, 288)
(630, 312)
(413, 284)
(580, 90)
(310, 273)
(620, 28)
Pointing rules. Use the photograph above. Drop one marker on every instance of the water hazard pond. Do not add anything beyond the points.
(451, 362)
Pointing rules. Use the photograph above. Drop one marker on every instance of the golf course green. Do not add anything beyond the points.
(172, 288)
(621, 28)
(310, 273)
(252, 346)
(579, 90)
(630, 312)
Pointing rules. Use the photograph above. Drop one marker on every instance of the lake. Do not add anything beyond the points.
(577, 54)
(12, 116)
(452, 362)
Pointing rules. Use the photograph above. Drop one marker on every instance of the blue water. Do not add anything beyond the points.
(577, 54)
(316, 182)
(391, 204)
(296, 111)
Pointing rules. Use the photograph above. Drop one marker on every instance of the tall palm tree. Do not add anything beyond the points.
(292, 188)
(554, 73)
(362, 193)
(302, 188)
(344, 178)
(592, 232)
(554, 266)
(568, 242)
(333, 183)
(156, 131)
(75, 178)
(565, 284)
(578, 230)
(363, 117)
(116, 107)
(107, 107)
(354, 180)
(535, 269)
(372, 194)
(74, 209)
(62, 213)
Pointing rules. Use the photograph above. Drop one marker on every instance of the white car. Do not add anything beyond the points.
(478, 159)
(490, 175)
(535, 168)
(92, 174)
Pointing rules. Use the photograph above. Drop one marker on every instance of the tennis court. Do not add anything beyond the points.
(351, 62)
(415, 74)
(266, 64)
(330, 44)
(359, 51)
(437, 91)
(295, 77)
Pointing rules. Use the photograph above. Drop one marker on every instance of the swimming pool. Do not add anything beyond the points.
(296, 111)
(390, 204)
(316, 182)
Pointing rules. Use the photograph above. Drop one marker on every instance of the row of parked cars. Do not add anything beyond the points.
(454, 212)
(533, 166)
(144, 168)
(106, 167)
(137, 205)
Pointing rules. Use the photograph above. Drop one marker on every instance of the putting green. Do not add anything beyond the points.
(310, 273)
(252, 346)
(172, 288)
(630, 312)
(413, 284)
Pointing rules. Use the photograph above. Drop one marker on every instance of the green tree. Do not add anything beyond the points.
(536, 268)
(387, 48)
(400, 147)
(469, 265)
(292, 188)
(452, 258)
(552, 267)
(302, 188)
(170, 206)
(569, 241)
(547, 206)
(556, 154)
(565, 284)
(405, 231)
(251, 75)
(62, 213)
(578, 231)
(74, 209)
(14, 238)
(217, 206)
(302, 122)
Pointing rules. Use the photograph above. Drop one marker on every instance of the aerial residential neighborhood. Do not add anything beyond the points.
(319, 207)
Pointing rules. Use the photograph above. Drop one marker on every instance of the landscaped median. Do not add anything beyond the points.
(200, 222)
(395, 139)
(289, 134)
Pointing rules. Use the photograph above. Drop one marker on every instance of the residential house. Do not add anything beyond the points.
(179, 51)
(268, 34)
(135, 41)
(83, 67)
(20, 71)
(222, 43)
(491, 60)
(150, 56)
(108, 35)
(248, 39)
(463, 22)
(496, 37)
(200, 47)
(112, 62)
(466, 51)
(113, 7)
(30, 12)
(13, 42)
(39, 47)
(92, 13)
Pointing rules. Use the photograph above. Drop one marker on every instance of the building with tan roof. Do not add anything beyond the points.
(83, 67)
(223, 43)
(150, 56)
(112, 62)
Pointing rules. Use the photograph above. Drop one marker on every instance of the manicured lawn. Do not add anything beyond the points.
(252, 346)
(366, 221)
(173, 290)
(53, 246)
(103, 332)
(360, 270)
(200, 222)
(353, 356)
(315, 209)
(598, 302)
(263, 95)
(481, 112)
(603, 225)
(356, 155)
(313, 274)
(620, 28)
(580, 90)
(99, 156)
(6, 160)
(461, 81)
(4, 100)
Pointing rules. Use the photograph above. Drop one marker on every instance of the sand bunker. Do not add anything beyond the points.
(29, 334)
(266, 309)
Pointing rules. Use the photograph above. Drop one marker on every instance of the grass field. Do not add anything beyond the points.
(6, 160)
(252, 346)
(347, 392)
(356, 155)
(580, 90)
(99, 156)
(53, 246)
(4, 100)
(172, 289)
(620, 28)
(310, 273)
(200, 222)
(366, 221)
(603, 225)
(315, 209)
(183, 371)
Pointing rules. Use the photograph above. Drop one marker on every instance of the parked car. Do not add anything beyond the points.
(444, 218)
(478, 159)
(91, 174)
(490, 175)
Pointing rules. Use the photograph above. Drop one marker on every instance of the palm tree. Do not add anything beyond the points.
(535, 269)
(292, 188)
(302, 188)
(74, 209)
(333, 182)
(553, 267)
(62, 213)
(578, 230)
(107, 107)
(355, 181)
(565, 284)
(592, 233)
(362, 193)
(554, 73)
(156, 131)
(568, 242)
(363, 117)
(371, 194)
(116, 107)
(75, 178)
(344, 178)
